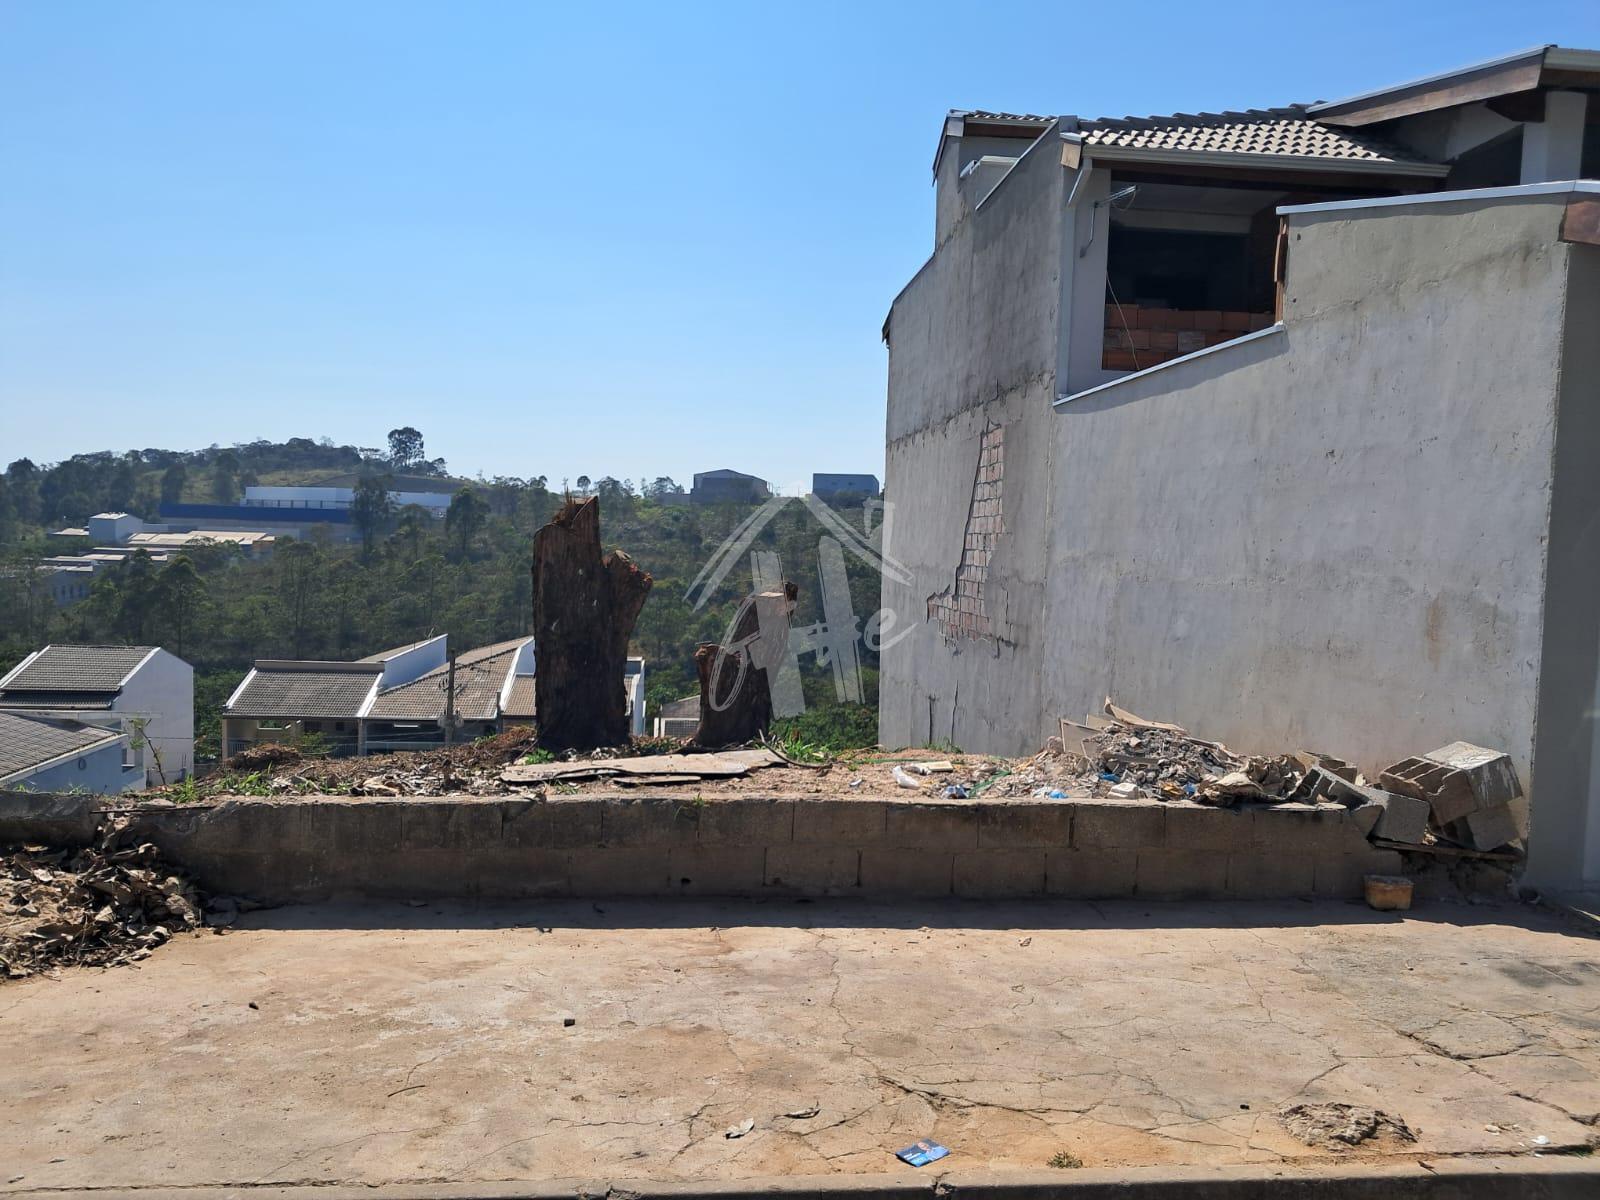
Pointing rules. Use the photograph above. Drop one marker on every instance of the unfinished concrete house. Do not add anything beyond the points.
(1280, 424)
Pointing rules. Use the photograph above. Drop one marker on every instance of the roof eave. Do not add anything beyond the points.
(1306, 163)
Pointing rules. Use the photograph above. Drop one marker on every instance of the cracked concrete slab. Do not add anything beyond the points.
(384, 1043)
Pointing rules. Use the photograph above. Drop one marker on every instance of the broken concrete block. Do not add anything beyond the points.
(1493, 778)
(1404, 819)
(1366, 817)
(1486, 829)
(1447, 791)
(1455, 780)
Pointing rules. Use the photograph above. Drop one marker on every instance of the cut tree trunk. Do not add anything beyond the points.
(584, 607)
(736, 679)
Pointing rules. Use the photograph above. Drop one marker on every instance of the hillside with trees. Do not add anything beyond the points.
(410, 574)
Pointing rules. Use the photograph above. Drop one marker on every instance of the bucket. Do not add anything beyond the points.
(1388, 893)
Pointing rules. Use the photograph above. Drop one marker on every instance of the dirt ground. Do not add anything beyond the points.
(392, 1043)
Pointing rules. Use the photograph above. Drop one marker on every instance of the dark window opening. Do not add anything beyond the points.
(1170, 292)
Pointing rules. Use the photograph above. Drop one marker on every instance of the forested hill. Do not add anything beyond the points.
(466, 574)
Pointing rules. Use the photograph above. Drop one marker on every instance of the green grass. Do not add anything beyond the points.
(1063, 1160)
(820, 734)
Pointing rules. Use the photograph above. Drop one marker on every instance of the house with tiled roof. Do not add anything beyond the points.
(58, 754)
(143, 693)
(401, 699)
(1278, 422)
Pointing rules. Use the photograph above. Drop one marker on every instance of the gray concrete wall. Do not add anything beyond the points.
(972, 343)
(298, 850)
(1331, 537)
(1565, 834)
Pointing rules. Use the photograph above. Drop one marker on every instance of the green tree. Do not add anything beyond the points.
(371, 509)
(405, 448)
(464, 518)
(298, 571)
(172, 483)
(225, 477)
(22, 481)
(413, 527)
(183, 601)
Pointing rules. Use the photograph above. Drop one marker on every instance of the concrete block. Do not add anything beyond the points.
(449, 824)
(257, 826)
(994, 874)
(1206, 827)
(624, 871)
(1025, 825)
(1490, 773)
(1486, 829)
(717, 870)
(1254, 876)
(1447, 790)
(841, 822)
(1181, 875)
(559, 824)
(1404, 818)
(1118, 826)
(741, 821)
(1365, 817)
(886, 871)
(648, 821)
(814, 870)
(951, 826)
(1091, 874)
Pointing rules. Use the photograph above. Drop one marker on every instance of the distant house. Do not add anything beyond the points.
(142, 692)
(396, 700)
(679, 718)
(47, 754)
(728, 487)
(836, 487)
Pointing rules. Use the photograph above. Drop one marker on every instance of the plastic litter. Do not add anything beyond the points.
(903, 779)
(920, 1154)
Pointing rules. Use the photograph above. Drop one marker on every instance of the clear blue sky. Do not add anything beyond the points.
(626, 239)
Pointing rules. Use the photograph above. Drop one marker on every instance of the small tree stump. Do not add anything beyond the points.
(584, 607)
(735, 680)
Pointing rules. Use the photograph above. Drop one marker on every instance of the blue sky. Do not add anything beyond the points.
(568, 239)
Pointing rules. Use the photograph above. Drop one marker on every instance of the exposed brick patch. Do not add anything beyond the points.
(961, 611)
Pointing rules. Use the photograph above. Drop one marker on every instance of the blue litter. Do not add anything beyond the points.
(1109, 777)
(956, 792)
(1189, 788)
(1058, 794)
(922, 1153)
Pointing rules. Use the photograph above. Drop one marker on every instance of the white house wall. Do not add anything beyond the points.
(163, 687)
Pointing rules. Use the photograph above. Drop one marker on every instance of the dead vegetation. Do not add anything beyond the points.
(109, 903)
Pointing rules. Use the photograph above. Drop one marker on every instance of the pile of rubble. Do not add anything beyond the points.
(1458, 796)
(109, 903)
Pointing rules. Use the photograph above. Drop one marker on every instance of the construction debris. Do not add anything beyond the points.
(1341, 1126)
(1468, 789)
(108, 903)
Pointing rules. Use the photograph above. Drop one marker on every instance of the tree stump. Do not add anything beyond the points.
(736, 679)
(584, 607)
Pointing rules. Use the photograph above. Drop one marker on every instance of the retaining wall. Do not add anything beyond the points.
(316, 848)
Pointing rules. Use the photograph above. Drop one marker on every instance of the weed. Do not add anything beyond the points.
(1062, 1160)
(537, 755)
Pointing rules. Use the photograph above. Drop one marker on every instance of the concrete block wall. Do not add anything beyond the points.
(299, 850)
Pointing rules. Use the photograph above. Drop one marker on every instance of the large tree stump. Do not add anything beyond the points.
(584, 607)
(736, 679)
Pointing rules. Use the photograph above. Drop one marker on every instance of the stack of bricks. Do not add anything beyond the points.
(1142, 337)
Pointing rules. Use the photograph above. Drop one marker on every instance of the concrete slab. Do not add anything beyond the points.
(385, 1044)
